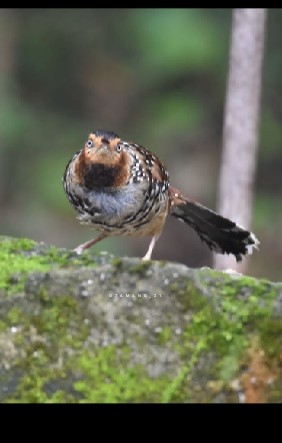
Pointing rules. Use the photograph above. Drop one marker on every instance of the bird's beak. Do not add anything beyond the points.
(103, 150)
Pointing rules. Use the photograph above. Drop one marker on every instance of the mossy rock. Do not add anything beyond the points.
(97, 328)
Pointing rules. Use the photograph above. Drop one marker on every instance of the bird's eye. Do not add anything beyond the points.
(118, 148)
(89, 143)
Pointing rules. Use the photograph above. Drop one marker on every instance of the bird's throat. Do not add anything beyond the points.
(99, 175)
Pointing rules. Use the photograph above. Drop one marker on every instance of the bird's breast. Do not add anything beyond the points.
(113, 206)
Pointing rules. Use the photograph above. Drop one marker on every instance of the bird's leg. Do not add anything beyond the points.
(148, 254)
(89, 243)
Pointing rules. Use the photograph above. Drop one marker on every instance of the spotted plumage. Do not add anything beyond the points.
(121, 188)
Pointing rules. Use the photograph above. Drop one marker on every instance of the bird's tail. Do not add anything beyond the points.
(221, 234)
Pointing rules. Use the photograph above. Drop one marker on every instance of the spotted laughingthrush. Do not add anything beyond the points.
(121, 188)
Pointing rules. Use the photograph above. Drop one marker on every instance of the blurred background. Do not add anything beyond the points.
(154, 76)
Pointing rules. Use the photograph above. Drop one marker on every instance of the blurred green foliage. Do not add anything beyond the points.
(154, 76)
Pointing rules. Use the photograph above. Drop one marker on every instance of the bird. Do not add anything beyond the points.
(122, 189)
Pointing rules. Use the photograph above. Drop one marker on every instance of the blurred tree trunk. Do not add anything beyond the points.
(240, 132)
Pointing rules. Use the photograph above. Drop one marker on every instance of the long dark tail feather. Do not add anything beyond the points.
(221, 234)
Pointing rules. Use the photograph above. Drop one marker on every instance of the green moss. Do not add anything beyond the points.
(223, 329)
(17, 244)
(3, 326)
(107, 377)
(271, 337)
(54, 356)
(19, 257)
(32, 389)
(174, 287)
(48, 365)
(14, 316)
(54, 333)
(173, 392)
(140, 269)
(117, 263)
(164, 336)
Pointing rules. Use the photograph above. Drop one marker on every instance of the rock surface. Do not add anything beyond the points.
(96, 328)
